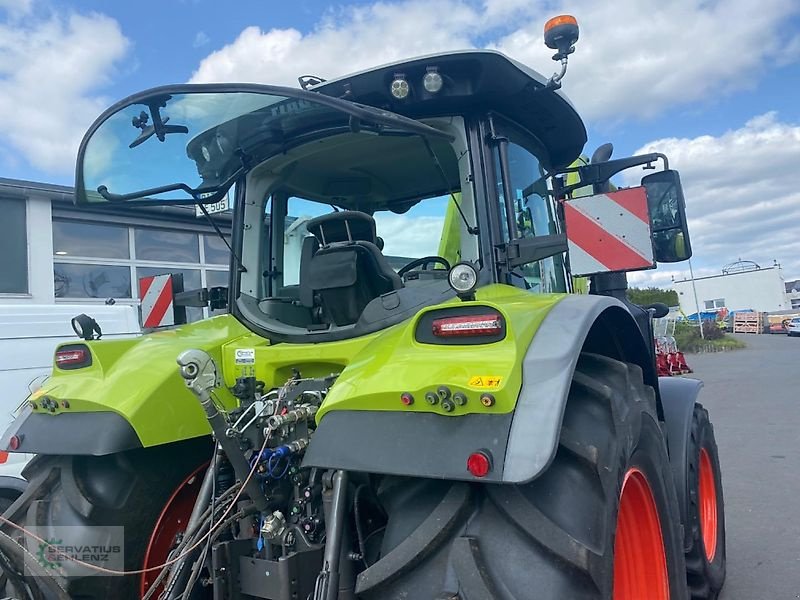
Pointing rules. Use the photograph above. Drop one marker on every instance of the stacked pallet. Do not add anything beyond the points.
(748, 322)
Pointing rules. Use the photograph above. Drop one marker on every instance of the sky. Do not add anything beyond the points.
(714, 84)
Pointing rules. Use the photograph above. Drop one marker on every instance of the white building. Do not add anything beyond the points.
(741, 286)
(54, 252)
(793, 293)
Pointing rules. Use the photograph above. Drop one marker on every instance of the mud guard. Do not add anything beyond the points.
(522, 443)
(547, 371)
(678, 397)
(89, 433)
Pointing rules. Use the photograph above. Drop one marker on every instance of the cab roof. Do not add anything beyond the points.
(475, 81)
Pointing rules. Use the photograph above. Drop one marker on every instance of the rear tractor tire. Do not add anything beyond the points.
(136, 490)
(601, 522)
(706, 559)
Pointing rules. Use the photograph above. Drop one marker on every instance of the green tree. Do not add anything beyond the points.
(650, 295)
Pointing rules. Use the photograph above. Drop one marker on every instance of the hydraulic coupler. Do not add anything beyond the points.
(200, 375)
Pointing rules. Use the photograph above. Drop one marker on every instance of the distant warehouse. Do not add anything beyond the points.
(743, 285)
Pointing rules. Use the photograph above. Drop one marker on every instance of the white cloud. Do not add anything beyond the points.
(16, 8)
(200, 39)
(742, 197)
(645, 56)
(49, 70)
(351, 39)
(408, 235)
(638, 59)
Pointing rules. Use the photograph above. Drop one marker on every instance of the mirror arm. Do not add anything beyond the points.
(526, 250)
(593, 174)
(112, 197)
(196, 194)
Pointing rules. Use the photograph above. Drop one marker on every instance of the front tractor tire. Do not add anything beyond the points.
(129, 489)
(601, 522)
(706, 558)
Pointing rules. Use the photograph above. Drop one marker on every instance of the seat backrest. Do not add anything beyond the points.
(347, 276)
(307, 251)
(343, 226)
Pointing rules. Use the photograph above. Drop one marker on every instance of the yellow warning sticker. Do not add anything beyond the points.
(485, 381)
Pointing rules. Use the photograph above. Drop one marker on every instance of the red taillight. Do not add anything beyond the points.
(467, 326)
(479, 463)
(73, 357)
(3, 457)
(14, 443)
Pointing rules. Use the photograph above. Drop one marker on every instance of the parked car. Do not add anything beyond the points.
(794, 327)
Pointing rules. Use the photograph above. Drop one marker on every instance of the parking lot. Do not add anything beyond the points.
(753, 396)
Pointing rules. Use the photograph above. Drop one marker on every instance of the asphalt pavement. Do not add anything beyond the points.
(753, 396)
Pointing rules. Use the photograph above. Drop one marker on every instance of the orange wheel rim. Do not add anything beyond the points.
(640, 563)
(708, 505)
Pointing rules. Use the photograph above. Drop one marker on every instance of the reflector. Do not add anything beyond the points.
(479, 464)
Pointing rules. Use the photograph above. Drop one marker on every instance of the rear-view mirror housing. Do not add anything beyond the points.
(667, 209)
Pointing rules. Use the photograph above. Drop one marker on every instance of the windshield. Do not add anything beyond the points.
(356, 231)
(180, 144)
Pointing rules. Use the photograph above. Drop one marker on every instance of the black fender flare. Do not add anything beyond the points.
(14, 485)
(578, 323)
(79, 433)
(678, 397)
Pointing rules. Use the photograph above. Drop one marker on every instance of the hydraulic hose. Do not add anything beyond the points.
(179, 574)
(198, 370)
(333, 546)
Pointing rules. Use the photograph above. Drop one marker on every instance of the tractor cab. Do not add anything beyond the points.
(353, 199)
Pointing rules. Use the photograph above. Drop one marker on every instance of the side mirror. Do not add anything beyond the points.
(667, 210)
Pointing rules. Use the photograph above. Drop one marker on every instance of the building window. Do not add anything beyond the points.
(167, 246)
(215, 250)
(795, 303)
(75, 280)
(106, 261)
(72, 238)
(717, 303)
(14, 247)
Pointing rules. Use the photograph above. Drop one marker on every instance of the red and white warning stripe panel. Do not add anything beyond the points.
(609, 232)
(156, 296)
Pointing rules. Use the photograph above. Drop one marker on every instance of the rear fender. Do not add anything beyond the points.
(678, 397)
(578, 323)
(523, 442)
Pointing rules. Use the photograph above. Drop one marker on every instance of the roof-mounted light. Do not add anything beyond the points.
(560, 34)
(400, 88)
(432, 81)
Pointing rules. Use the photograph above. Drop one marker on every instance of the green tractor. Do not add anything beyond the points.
(466, 427)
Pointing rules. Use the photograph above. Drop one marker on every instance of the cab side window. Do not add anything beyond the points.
(534, 214)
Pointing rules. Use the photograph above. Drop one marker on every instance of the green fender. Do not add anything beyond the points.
(131, 395)
(522, 442)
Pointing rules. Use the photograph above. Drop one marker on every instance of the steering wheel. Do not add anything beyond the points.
(425, 260)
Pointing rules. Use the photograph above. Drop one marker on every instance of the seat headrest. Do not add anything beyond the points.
(343, 226)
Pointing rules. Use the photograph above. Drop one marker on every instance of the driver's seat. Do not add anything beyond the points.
(348, 270)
